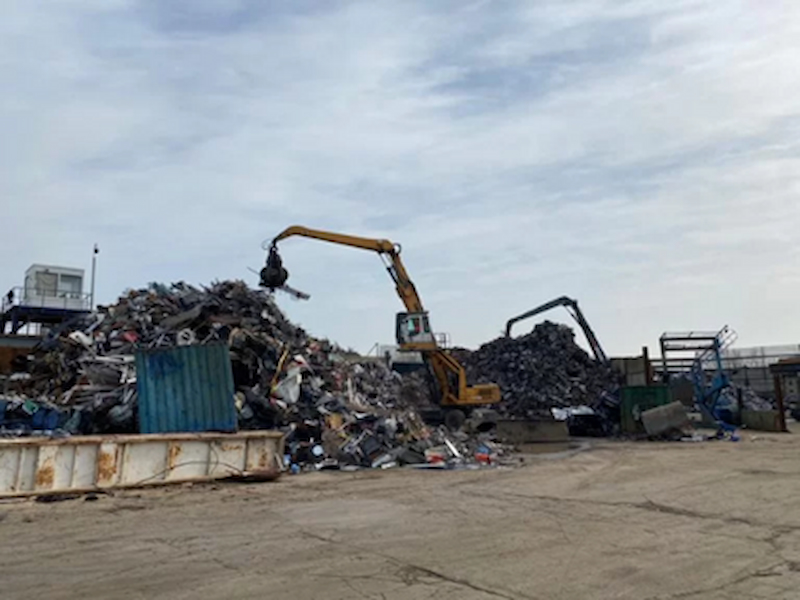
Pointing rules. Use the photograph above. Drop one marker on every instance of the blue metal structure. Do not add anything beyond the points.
(708, 392)
(707, 372)
(188, 388)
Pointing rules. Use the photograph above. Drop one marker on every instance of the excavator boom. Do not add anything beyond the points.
(336, 238)
(387, 250)
(413, 330)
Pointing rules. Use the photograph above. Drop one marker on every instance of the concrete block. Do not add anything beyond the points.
(665, 418)
(761, 420)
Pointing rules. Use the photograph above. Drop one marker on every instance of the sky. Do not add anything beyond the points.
(640, 156)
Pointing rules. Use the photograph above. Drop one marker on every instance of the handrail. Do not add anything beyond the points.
(59, 298)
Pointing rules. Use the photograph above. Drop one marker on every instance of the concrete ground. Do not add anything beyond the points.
(716, 520)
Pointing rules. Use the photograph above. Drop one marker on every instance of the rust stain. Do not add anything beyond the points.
(7, 356)
(106, 466)
(263, 459)
(229, 447)
(174, 453)
(45, 475)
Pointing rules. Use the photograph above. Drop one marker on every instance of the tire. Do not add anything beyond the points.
(454, 419)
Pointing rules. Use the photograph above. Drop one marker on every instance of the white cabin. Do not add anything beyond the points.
(49, 286)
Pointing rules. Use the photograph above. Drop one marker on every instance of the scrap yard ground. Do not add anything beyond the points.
(717, 520)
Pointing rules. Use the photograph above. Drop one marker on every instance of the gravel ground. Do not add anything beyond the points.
(642, 521)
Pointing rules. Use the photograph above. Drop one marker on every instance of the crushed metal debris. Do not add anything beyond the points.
(541, 371)
(338, 410)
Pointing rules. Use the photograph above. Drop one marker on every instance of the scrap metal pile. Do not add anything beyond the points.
(540, 371)
(336, 408)
(88, 364)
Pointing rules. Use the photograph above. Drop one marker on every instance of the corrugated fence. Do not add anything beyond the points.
(188, 388)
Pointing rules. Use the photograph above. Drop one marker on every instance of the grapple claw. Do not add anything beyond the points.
(274, 275)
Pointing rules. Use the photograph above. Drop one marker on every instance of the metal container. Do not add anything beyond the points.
(636, 400)
(36, 466)
(188, 388)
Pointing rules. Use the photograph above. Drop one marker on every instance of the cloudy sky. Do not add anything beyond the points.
(642, 156)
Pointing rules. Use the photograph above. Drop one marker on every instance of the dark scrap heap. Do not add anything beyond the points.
(336, 408)
(542, 370)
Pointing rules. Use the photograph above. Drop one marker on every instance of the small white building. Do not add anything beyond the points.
(49, 286)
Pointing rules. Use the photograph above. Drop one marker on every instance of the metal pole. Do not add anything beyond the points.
(94, 270)
(777, 380)
(740, 403)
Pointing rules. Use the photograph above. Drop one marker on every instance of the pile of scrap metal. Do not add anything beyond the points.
(541, 371)
(342, 414)
(21, 416)
(335, 407)
(87, 365)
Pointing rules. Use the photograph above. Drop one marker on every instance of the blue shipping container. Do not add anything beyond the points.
(189, 388)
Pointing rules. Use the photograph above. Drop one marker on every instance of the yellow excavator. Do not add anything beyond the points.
(413, 329)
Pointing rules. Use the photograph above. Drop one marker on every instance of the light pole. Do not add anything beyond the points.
(94, 270)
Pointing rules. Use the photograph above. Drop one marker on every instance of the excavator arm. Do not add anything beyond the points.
(389, 252)
(450, 376)
(572, 308)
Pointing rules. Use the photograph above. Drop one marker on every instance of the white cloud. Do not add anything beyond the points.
(639, 156)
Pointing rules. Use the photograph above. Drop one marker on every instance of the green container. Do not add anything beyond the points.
(638, 399)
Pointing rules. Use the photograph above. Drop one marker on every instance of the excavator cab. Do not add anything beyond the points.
(413, 328)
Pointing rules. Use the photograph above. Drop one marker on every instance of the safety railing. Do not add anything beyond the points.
(63, 299)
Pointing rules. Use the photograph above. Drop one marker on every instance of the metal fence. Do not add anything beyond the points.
(761, 356)
(749, 367)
